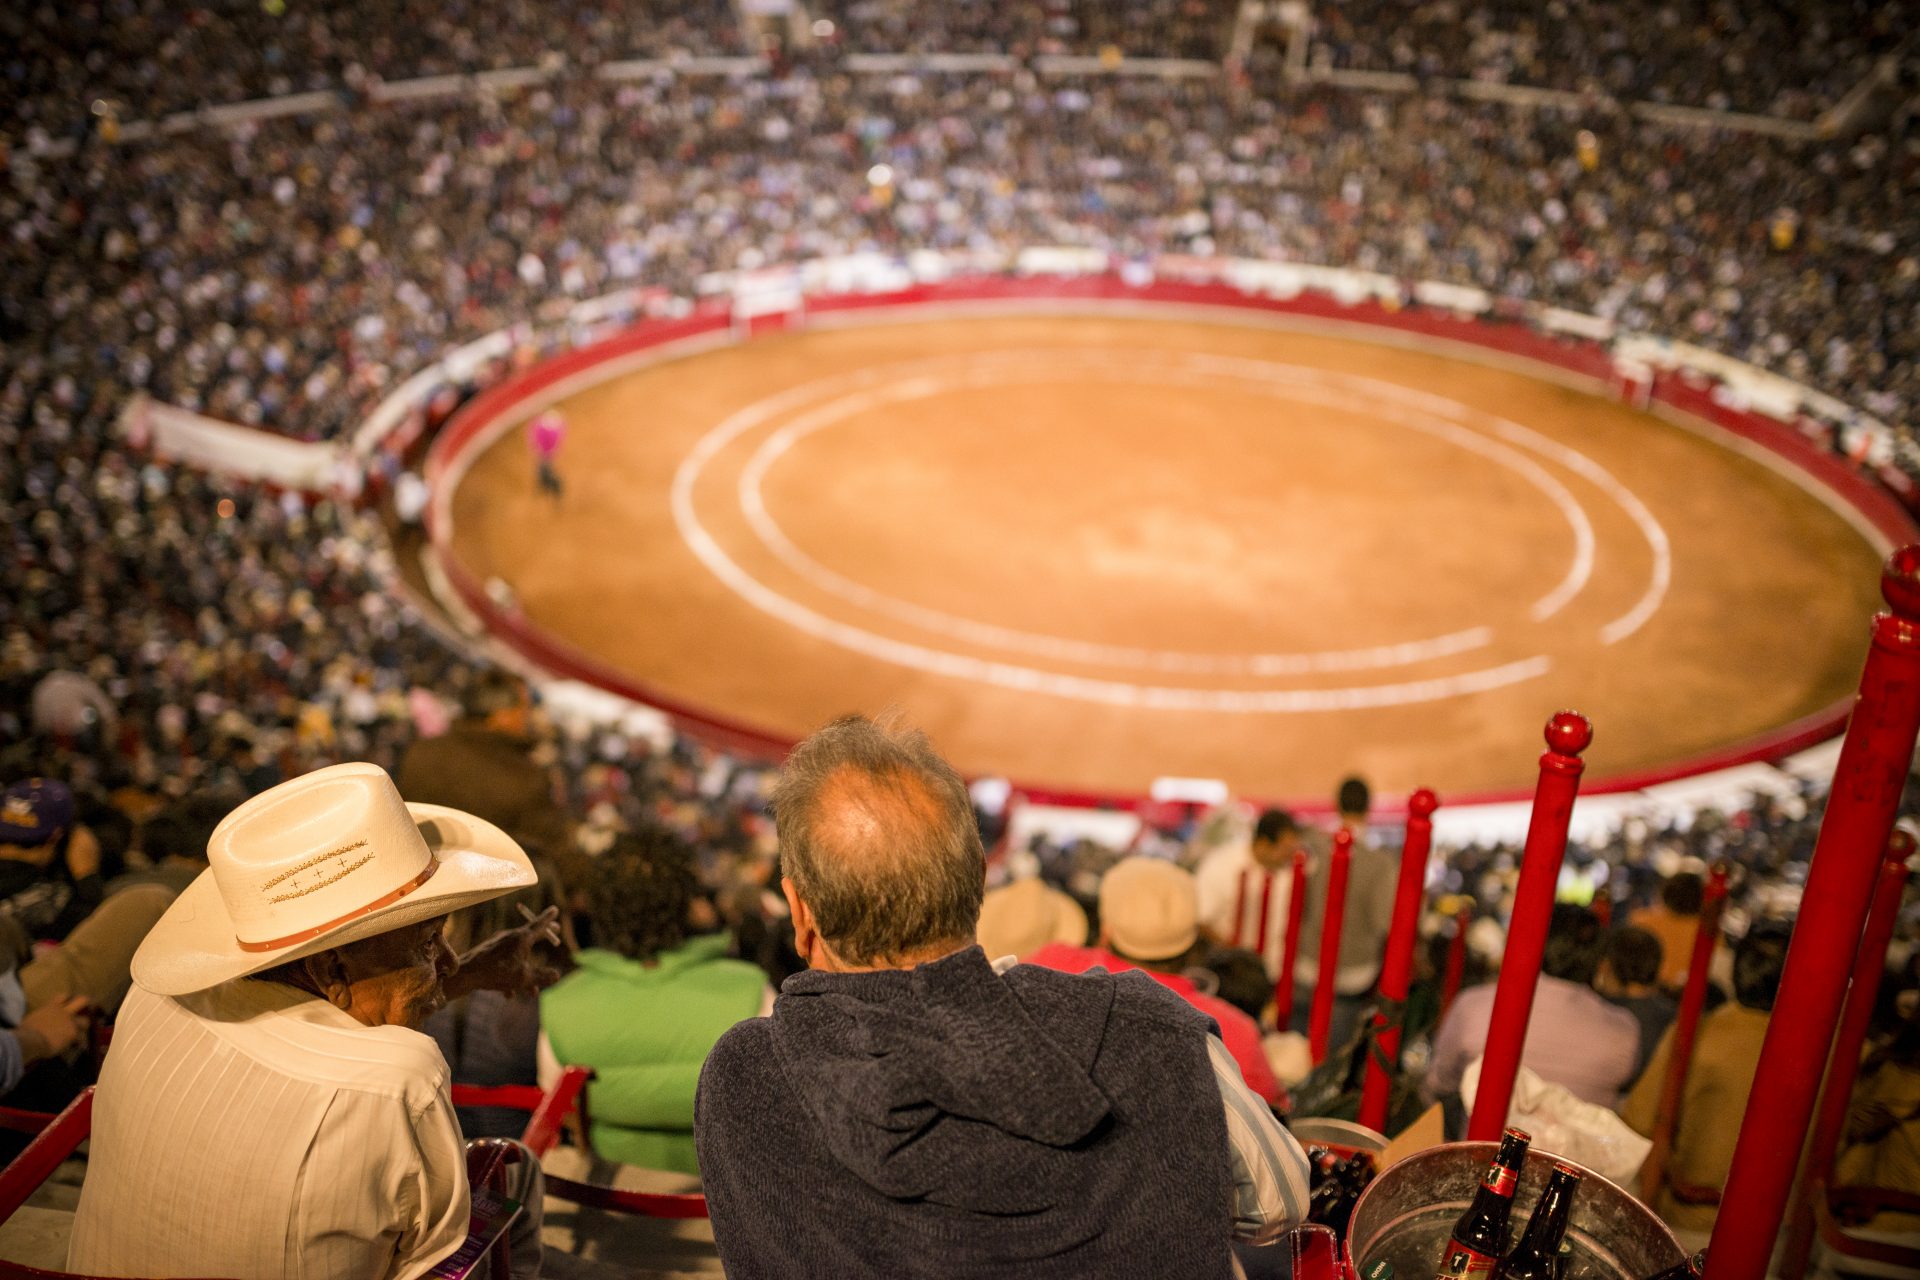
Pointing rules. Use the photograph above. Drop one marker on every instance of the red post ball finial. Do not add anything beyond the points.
(1900, 582)
(1569, 732)
(1422, 803)
(1900, 845)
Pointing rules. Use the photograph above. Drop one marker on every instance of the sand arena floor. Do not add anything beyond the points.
(1086, 550)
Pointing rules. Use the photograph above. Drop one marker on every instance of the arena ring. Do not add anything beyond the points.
(1091, 532)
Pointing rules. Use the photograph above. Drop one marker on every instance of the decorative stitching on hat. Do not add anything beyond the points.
(300, 890)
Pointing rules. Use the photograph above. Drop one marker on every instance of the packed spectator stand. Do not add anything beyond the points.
(212, 639)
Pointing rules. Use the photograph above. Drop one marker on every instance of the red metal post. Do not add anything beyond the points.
(1867, 783)
(1568, 734)
(1844, 1065)
(1456, 959)
(1686, 1025)
(1396, 967)
(1333, 922)
(1290, 950)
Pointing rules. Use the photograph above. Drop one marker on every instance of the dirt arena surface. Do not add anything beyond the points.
(1085, 550)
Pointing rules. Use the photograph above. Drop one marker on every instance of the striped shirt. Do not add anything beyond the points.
(253, 1130)
(1270, 1173)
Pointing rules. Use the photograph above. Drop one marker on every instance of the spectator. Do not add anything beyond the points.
(174, 841)
(1726, 1054)
(31, 1035)
(1020, 918)
(910, 1109)
(647, 1003)
(1245, 888)
(269, 1047)
(1372, 883)
(1882, 1141)
(69, 704)
(49, 868)
(485, 764)
(1674, 921)
(1149, 919)
(1629, 976)
(1575, 1037)
(50, 880)
(492, 1037)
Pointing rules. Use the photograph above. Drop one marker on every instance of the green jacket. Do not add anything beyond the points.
(645, 1030)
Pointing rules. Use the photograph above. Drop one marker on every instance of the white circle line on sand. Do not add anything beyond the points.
(1155, 368)
(1660, 578)
(1008, 675)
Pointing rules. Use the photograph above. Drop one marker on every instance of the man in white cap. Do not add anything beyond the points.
(268, 1108)
(1149, 919)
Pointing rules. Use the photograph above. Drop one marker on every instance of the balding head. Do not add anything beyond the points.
(878, 837)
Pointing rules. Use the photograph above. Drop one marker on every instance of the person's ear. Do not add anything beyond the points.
(329, 977)
(806, 934)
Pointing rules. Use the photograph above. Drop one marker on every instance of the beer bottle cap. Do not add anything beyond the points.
(1381, 1270)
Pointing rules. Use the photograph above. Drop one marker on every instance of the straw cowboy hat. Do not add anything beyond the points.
(326, 859)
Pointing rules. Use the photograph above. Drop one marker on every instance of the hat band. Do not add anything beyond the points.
(308, 935)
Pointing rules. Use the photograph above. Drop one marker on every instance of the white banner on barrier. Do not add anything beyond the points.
(212, 445)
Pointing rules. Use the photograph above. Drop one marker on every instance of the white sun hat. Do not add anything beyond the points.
(326, 859)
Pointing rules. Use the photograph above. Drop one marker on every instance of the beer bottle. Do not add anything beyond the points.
(1480, 1237)
(1540, 1245)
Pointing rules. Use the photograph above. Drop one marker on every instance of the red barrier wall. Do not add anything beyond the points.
(1510, 339)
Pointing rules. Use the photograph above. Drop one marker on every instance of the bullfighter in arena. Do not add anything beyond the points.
(547, 432)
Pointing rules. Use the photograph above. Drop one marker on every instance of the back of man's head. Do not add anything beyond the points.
(1354, 798)
(1634, 955)
(878, 836)
(1575, 943)
(1758, 962)
(184, 828)
(1683, 893)
(1274, 825)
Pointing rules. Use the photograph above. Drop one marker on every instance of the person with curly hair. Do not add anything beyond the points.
(647, 1002)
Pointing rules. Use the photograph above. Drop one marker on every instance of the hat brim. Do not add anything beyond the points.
(193, 946)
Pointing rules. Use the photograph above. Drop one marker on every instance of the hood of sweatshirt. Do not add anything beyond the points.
(945, 1083)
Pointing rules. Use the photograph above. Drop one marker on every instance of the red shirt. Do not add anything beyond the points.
(1238, 1032)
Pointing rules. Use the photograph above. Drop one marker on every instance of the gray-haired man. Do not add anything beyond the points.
(909, 1110)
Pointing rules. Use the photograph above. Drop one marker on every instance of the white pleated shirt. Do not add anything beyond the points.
(1231, 887)
(254, 1131)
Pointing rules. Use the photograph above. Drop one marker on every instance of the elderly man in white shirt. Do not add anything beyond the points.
(268, 1108)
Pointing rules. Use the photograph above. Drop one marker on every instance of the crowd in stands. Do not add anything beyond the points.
(178, 642)
(286, 273)
(1195, 29)
(147, 59)
(1785, 60)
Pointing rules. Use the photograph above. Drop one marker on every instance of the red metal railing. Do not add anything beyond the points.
(1290, 949)
(1456, 959)
(1843, 1064)
(1567, 734)
(1396, 967)
(1686, 1025)
(1867, 784)
(1333, 922)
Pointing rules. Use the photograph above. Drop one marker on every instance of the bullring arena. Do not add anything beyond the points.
(458, 458)
(1088, 542)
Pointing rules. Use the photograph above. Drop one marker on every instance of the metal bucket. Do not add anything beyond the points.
(1404, 1216)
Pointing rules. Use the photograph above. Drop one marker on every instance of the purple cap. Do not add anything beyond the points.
(34, 811)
